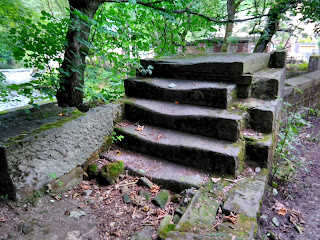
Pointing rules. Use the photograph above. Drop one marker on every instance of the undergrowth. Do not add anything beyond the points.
(287, 156)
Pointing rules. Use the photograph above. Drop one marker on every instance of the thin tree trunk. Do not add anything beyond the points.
(268, 32)
(73, 65)
(231, 7)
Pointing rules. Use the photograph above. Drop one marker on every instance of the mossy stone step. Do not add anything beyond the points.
(219, 124)
(172, 176)
(187, 149)
(216, 95)
(263, 113)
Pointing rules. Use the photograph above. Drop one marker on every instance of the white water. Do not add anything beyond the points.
(16, 76)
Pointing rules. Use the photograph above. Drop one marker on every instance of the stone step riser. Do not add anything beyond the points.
(210, 97)
(209, 126)
(195, 157)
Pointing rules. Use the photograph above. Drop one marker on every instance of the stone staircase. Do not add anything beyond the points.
(200, 114)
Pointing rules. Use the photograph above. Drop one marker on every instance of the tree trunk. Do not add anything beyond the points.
(73, 65)
(269, 30)
(231, 7)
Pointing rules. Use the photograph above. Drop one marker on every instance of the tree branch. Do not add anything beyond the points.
(215, 20)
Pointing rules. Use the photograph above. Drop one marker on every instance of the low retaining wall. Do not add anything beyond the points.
(57, 147)
(303, 92)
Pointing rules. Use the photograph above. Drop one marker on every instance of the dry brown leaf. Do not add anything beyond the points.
(139, 128)
(215, 180)
(2, 219)
(118, 153)
(296, 217)
(154, 188)
(176, 102)
(283, 211)
(232, 218)
(278, 205)
(85, 187)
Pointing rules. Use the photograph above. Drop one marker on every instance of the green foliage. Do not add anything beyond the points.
(116, 138)
(286, 151)
(298, 67)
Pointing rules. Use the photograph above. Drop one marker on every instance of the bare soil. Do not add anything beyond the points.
(105, 215)
(294, 213)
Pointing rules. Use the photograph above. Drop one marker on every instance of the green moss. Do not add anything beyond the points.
(112, 171)
(94, 169)
(165, 230)
(185, 227)
(44, 127)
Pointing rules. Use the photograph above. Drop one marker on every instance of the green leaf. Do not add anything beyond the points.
(133, 2)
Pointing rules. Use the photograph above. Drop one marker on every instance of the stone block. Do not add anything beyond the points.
(278, 59)
(57, 148)
(314, 63)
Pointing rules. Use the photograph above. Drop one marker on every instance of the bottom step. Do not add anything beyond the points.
(171, 176)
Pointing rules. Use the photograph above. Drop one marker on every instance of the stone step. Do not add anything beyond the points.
(172, 176)
(191, 150)
(231, 68)
(219, 124)
(259, 148)
(216, 95)
(263, 113)
(268, 83)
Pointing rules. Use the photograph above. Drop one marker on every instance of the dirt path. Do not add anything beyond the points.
(294, 213)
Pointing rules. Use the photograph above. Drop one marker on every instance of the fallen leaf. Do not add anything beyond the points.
(232, 218)
(118, 153)
(63, 114)
(85, 187)
(142, 171)
(215, 180)
(283, 211)
(2, 219)
(296, 217)
(176, 102)
(154, 188)
(299, 228)
(139, 128)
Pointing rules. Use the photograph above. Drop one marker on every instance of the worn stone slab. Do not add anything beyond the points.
(302, 82)
(263, 113)
(145, 234)
(268, 83)
(260, 149)
(216, 95)
(223, 124)
(278, 59)
(200, 214)
(314, 63)
(172, 176)
(208, 67)
(55, 148)
(246, 196)
(191, 150)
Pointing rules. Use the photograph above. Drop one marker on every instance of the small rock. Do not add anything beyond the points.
(176, 198)
(26, 228)
(112, 171)
(275, 221)
(144, 194)
(176, 219)
(143, 181)
(124, 189)
(87, 192)
(165, 227)
(146, 233)
(161, 199)
(77, 214)
(51, 200)
(180, 211)
(112, 224)
(126, 198)
(73, 235)
(257, 170)
(93, 169)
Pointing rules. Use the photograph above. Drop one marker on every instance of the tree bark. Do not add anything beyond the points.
(231, 7)
(73, 65)
(269, 30)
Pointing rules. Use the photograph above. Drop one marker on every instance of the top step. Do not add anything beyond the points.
(233, 68)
